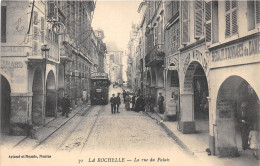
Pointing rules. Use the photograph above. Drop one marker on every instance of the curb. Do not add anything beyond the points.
(171, 134)
(62, 124)
(42, 126)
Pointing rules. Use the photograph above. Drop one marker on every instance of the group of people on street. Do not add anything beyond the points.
(115, 103)
(139, 103)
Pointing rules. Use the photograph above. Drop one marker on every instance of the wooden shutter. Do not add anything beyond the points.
(185, 22)
(35, 17)
(3, 23)
(257, 11)
(234, 22)
(208, 21)
(198, 18)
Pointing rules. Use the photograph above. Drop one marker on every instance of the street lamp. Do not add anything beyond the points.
(45, 51)
(45, 55)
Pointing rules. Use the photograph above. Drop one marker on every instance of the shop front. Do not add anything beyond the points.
(194, 89)
(235, 95)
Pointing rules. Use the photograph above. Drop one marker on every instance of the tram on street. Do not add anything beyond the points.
(99, 88)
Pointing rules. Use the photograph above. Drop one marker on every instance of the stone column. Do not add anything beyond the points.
(19, 119)
(187, 123)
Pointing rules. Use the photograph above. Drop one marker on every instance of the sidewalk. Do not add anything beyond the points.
(196, 144)
(42, 132)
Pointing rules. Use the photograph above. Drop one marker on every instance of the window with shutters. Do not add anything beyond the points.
(208, 21)
(3, 24)
(257, 12)
(35, 17)
(185, 22)
(198, 18)
(231, 18)
(35, 32)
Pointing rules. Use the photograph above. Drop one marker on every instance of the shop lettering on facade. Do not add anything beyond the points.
(11, 64)
(248, 48)
(195, 55)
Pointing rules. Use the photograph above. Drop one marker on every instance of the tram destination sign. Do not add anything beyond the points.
(99, 75)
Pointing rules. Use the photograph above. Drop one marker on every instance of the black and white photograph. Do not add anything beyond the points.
(130, 83)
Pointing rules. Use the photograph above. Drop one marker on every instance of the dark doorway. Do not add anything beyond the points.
(5, 105)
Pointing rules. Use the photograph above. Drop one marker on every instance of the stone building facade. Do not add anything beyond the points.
(39, 63)
(204, 56)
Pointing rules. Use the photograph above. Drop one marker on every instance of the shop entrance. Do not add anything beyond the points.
(50, 95)
(195, 83)
(237, 108)
(5, 105)
(172, 94)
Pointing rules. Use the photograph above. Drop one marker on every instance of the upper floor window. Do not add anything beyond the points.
(231, 18)
(253, 14)
(185, 21)
(198, 18)
(3, 24)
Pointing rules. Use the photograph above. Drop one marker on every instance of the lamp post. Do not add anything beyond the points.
(45, 56)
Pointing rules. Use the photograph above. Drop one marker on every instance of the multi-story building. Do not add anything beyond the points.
(46, 51)
(115, 65)
(204, 56)
(133, 58)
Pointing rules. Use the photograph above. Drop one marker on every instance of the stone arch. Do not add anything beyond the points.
(50, 106)
(234, 93)
(194, 102)
(38, 97)
(5, 105)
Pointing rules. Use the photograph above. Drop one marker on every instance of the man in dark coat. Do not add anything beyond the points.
(160, 103)
(65, 105)
(118, 102)
(113, 104)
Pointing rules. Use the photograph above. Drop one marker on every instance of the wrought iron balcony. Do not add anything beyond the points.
(155, 56)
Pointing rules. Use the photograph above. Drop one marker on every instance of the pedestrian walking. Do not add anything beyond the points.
(113, 104)
(65, 106)
(127, 102)
(254, 141)
(118, 102)
(160, 103)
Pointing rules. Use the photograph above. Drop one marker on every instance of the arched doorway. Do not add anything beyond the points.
(153, 86)
(237, 112)
(50, 95)
(5, 105)
(172, 92)
(37, 98)
(195, 83)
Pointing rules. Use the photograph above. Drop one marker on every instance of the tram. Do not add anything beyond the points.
(99, 88)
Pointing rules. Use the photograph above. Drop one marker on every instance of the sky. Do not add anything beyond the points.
(115, 18)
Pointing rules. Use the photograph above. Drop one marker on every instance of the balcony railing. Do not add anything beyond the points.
(155, 56)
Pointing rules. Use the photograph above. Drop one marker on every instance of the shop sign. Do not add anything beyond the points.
(248, 48)
(11, 64)
(225, 108)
